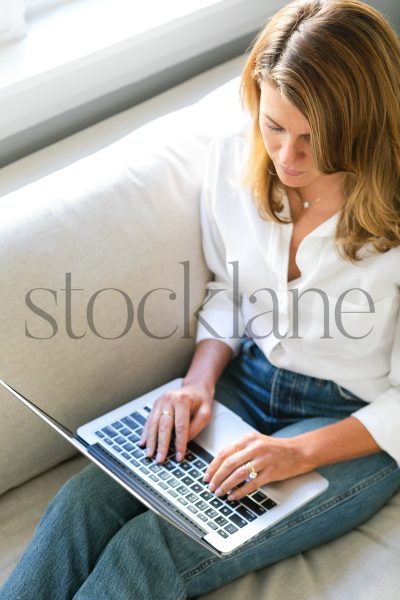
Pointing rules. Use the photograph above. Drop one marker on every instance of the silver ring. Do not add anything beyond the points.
(252, 472)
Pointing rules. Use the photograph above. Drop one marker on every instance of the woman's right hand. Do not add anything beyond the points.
(189, 409)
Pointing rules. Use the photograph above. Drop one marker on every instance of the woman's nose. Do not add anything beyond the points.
(289, 154)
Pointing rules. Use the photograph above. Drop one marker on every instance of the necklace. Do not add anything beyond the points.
(307, 203)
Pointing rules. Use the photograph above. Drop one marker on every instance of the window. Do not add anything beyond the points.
(121, 52)
(12, 22)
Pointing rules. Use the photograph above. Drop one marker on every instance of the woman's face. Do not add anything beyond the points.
(286, 135)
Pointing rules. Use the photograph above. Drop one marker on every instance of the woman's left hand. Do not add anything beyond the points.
(273, 459)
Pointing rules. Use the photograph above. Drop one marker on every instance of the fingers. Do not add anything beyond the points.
(159, 426)
(183, 405)
(244, 490)
(239, 484)
(165, 427)
(222, 456)
(231, 472)
(228, 470)
(182, 418)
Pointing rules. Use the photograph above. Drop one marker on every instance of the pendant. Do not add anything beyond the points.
(306, 204)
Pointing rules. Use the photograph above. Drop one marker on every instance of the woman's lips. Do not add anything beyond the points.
(290, 172)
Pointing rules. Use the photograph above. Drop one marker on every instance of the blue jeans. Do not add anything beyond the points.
(97, 542)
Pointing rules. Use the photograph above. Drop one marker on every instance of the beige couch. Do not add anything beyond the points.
(126, 218)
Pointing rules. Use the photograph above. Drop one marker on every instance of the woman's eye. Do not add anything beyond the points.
(271, 128)
(306, 137)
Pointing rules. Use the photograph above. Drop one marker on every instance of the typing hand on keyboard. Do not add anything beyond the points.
(186, 410)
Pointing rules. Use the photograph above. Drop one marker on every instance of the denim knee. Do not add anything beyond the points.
(89, 492)
(79, 492)
(82, 487)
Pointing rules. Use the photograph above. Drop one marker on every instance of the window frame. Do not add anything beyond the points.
(66, 93)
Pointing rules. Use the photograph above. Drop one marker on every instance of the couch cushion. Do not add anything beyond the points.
(361, 565)
(124, 224)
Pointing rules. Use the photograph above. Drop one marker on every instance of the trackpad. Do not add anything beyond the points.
(223, 430)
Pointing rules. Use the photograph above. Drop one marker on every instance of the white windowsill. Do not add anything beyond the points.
(94, 27)
(66, 61)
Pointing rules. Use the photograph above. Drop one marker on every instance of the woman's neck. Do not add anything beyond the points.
(322, 198)
(317, 213)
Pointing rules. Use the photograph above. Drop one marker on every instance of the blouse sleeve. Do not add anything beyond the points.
(382, 416)
(220, 315)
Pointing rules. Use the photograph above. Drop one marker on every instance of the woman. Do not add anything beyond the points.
(312, 358)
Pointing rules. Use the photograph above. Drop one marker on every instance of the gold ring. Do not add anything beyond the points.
(252, 472)
(166, 412)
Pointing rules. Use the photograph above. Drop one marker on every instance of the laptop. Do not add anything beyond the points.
(175, 490)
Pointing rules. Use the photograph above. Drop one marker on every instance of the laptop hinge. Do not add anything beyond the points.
(81, 440)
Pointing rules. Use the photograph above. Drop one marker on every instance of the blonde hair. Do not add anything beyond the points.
(338, 63)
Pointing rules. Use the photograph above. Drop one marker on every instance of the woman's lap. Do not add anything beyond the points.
(137, 553)
(357, 490)
(345, 505)
(284, 404)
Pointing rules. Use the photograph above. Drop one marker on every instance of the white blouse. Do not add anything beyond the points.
(345, 327)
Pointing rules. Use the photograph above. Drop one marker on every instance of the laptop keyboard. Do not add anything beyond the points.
(183, 480)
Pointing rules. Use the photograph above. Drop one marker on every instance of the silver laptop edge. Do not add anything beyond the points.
(289, 494)
(87, 451)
